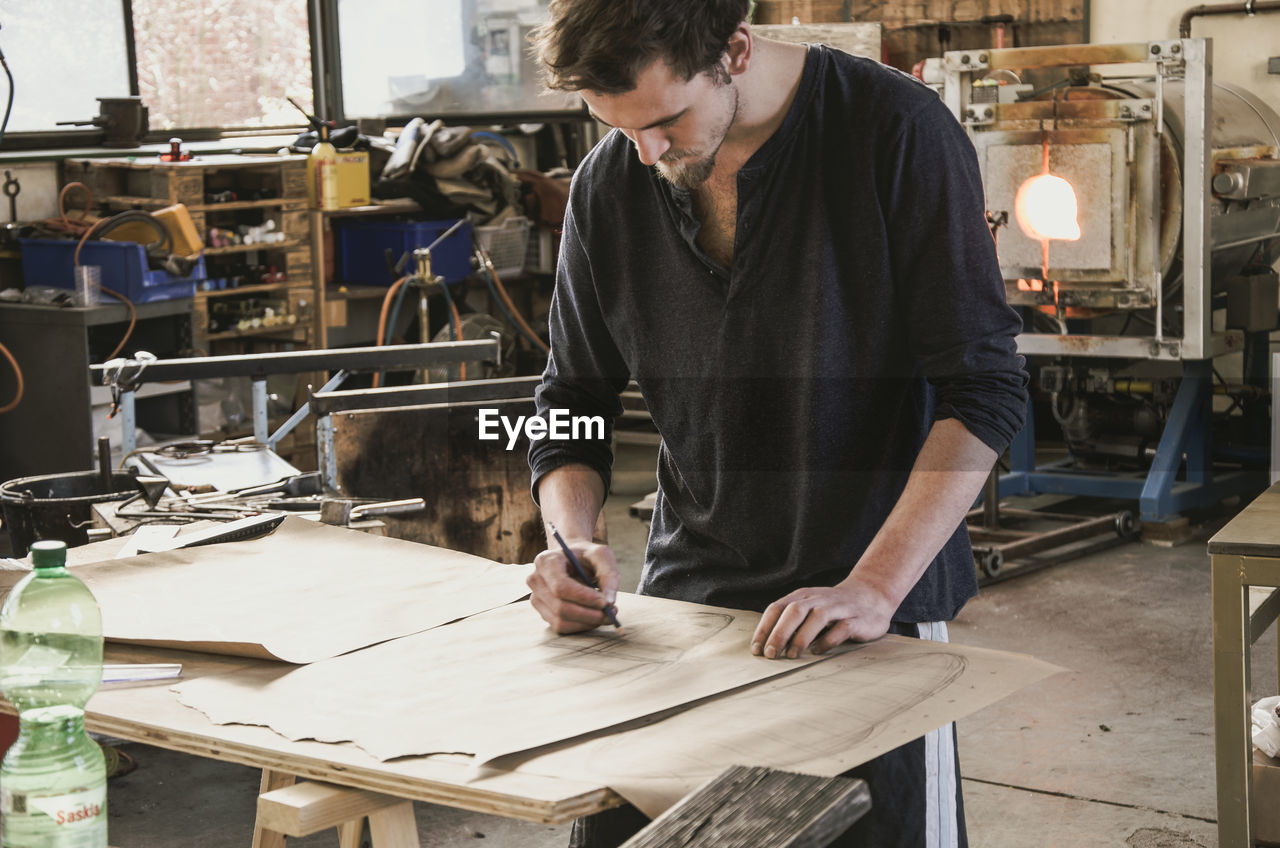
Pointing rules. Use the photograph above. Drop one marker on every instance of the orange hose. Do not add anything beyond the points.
(457, 336)
(17, 395)
(75, 257)
(133, 320)
(506, 298)
(133, 313)
(382, 319)
(62, 204)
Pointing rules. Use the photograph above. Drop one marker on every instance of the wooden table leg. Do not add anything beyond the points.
(1233, 744)
(263, 838)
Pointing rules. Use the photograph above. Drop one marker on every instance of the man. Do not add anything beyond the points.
(785, 247)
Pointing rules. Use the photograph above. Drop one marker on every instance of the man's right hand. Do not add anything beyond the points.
(563, 601)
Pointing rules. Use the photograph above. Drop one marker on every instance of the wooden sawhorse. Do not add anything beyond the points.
(289, 808)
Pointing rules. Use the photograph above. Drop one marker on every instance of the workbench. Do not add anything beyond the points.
(151, 713)
(910, 688)
(1245, 576)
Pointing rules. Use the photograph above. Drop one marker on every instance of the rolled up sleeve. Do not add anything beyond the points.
(961, 327)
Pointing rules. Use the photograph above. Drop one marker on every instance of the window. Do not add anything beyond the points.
(441, 58)
(63, 56)
(222, 63)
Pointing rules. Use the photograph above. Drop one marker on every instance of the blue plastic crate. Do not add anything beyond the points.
(360, 249)
(48, 262)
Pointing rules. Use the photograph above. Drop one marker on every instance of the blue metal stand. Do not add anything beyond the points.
(1160, 494)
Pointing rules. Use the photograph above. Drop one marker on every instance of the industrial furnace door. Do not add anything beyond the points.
(1112, 171)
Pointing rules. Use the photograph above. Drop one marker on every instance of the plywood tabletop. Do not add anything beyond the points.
(152, 714)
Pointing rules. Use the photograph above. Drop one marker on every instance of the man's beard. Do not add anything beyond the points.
(691, 174)
(687, 175)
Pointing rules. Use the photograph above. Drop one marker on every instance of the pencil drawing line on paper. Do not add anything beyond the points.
(484, 700)
(654, 644)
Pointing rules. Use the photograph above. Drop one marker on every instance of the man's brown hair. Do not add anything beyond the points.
(602, 45)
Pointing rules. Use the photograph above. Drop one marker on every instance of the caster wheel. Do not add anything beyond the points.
(991, 563)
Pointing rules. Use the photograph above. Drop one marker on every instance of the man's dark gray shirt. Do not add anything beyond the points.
(794, 390)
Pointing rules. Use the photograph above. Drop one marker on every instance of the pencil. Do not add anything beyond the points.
(583, 576)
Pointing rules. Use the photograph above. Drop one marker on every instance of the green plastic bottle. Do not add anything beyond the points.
(53, 781)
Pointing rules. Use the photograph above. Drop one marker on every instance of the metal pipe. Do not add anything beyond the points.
(303, 411)
(1250, 8)
(354, 359)
(128, 422)
(260, 427)
(104, 463)
(991, 500)
(1241, 242)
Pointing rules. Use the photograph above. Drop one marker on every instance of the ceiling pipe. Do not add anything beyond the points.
(1251, 7)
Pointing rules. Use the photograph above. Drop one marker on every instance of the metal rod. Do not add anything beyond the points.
(424, 323)
(260, 425)
(356, 359)
(511, 388)
(128, 422)
(303, 411)
(1196, 173)
(1057, 538)
(1241, 242)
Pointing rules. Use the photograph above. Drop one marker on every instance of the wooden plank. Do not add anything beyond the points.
(1061, 56)
(349, 834)
(393, 828)
(746, 807)
(232, 206)
(857, 39)
(293, 180)
(272, 780)
(310, 806)
(243, 290)
(246, 248)
(1255, 531)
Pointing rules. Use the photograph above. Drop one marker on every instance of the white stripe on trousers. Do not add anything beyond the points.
(941, 830)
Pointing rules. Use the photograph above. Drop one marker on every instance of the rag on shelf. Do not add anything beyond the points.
(450, 172)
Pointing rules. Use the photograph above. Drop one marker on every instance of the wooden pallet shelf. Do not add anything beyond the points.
(289, 331)
(287, 244)
(152, 184)
(245, 290)
(121, 200)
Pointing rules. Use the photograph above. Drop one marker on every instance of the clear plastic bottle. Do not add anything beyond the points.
(53, 781)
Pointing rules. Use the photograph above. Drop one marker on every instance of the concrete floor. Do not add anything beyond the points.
(1118, 750)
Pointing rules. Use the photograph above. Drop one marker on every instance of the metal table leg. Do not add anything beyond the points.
(1232, 743)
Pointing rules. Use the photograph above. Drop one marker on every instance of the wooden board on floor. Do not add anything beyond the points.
(748, 807)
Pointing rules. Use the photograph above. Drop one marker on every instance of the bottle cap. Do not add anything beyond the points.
(49, 554)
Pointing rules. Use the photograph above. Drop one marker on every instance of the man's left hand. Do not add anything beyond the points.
(822, 617)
